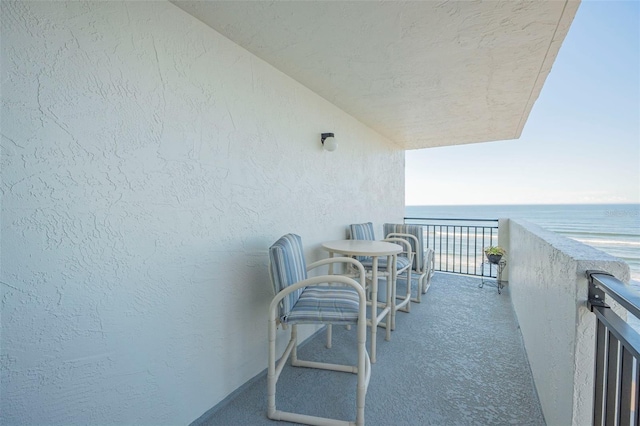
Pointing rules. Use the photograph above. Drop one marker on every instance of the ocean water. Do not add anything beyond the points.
(612, 228)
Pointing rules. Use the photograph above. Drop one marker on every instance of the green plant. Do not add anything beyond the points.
(497, 250)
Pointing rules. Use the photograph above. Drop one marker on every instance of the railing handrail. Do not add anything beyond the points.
(617, 290)
(450, 219)
(617, 353)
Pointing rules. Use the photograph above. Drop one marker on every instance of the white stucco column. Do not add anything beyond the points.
(549, 291)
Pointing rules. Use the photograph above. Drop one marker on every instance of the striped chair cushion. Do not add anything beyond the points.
(401, 262)
(362, 231)
(415, 230)
(334, 304)
(287, 268)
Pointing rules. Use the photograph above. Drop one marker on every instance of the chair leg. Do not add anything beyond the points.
(364, 371)
(430, 259)
(271, 371)
(405, 299)
(294, 339)
(394, 298)
(419, 290)
(390, 293)
(426, 281)
(408, 296)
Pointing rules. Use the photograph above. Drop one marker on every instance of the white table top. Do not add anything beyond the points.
(362, 247)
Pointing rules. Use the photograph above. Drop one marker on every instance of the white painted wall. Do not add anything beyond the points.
(549, 292)
(147, 165)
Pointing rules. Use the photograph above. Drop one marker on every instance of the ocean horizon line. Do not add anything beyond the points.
(524, 204)
(613, 228)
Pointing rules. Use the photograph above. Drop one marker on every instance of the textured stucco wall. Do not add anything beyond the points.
(147, 164)
(549, 292)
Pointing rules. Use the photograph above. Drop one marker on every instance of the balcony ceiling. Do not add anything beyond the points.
(421, 73)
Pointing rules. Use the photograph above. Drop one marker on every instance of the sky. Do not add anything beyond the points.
(581, 143)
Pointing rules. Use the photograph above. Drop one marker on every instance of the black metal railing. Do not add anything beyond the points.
(459, 243)
(617, 371)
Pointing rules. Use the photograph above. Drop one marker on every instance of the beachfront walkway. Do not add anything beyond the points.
(456, 359)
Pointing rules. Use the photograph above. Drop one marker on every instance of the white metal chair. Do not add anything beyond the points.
(424, 259)
(364, 231)
(303, 300)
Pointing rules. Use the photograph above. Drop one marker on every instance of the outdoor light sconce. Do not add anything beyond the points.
(328, 141)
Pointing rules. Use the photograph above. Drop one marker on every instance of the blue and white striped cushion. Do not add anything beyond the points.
(288, 267)
(401, 262)
(362, 231)
(334, 304)
(415, 230)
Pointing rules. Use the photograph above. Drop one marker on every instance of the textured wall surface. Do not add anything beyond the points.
(549, 292)
(147, 165)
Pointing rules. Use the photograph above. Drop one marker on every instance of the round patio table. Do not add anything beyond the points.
(373, 249)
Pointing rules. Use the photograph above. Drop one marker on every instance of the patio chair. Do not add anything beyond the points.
(364, 231)
(423, 261)
(324, 299)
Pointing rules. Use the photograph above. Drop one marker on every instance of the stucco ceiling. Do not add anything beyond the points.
(422, 73)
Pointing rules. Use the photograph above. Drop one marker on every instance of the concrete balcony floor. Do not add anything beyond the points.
(456, 359)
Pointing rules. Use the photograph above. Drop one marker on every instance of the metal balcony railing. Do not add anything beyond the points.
(617, 369)
(459, 243)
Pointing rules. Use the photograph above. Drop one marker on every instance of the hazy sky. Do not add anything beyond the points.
(581, 143)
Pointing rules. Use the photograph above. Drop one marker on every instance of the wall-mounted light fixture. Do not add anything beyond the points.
(328, 141)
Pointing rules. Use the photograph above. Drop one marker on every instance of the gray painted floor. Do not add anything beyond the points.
(456, 359)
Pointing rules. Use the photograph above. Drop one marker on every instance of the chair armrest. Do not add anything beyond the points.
(316, 281)
(402, 242)
(407, 250)
(354, 263)
(430, 261)
(416, 244)
(399, 234)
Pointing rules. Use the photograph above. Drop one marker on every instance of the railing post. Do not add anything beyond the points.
(455, 253)
(596, 294)
(600, 363)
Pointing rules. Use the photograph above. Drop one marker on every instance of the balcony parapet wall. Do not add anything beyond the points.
(549, 292)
